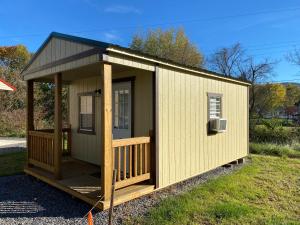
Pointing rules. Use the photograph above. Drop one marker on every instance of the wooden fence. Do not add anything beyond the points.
(132, 160)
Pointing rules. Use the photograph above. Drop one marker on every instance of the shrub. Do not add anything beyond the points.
(13, 123)
(274, 122)
(278, 135)
(274, 150)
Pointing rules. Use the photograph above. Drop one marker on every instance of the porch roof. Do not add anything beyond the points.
(62, 52)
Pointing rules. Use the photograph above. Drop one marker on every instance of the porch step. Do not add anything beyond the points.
(128, 193)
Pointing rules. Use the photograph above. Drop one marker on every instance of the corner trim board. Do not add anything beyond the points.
(156, 89)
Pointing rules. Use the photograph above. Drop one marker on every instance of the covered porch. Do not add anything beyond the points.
(54, 155)
(82, 180)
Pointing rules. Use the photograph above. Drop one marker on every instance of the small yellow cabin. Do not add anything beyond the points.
(153, 121)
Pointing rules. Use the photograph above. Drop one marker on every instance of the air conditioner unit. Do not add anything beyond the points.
(218, 125)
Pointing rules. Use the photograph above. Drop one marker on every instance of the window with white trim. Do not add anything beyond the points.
(86, 113)
(214, 106)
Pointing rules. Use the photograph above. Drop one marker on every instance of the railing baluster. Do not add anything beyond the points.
(146, 158)
(38, 149)
(149, 157)
(130, 161)
(119, 163)
(114, 157)
(124, 163)
(141, 159)
(135, 160)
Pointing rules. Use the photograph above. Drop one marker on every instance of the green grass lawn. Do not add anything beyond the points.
(266, 191)
(12, 163)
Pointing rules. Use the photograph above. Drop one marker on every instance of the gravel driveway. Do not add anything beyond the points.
(25, 200)
(12, 144)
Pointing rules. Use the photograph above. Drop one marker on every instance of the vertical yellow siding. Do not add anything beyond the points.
(88, 147)
(184, 147)
(85, 147)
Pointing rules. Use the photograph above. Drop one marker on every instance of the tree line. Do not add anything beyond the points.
(231, 61)
(13, 59)
(172, 44)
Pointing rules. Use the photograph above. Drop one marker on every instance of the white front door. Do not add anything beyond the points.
(121, 103)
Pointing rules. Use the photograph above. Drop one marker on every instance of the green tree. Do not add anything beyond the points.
(292, 95)
(269, 98)
(12, 108)
(44, 102)
(172, 44)
(12, 61)
(12, 104)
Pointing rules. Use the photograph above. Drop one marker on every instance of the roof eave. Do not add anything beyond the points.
(135, 54)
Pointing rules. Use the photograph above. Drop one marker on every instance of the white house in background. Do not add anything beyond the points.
(6, 86)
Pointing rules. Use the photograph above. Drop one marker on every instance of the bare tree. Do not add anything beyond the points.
(255, 73)
(227, 60)
(294, 57)
(233, 61)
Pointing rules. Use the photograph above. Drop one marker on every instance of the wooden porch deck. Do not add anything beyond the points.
(83, 180)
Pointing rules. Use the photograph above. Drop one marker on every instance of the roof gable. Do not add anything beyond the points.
(59, 46)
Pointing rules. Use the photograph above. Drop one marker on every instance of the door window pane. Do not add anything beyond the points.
(121, 110)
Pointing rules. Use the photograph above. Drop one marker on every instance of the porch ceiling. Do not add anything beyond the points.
(91, 70)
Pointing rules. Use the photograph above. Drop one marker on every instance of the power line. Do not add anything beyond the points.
(282, 81)
(266, 51)
(275, 43)
(161, 24)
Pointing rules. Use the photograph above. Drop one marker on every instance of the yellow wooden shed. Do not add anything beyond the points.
(154, 121)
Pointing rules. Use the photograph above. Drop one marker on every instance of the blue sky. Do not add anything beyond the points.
(266, 28)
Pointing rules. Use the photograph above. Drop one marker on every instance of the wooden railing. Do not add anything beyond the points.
(66, 139)
(41, 147)
(131, 160)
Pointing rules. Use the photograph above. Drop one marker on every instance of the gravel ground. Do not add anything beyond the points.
(25, 200)
(5, 150)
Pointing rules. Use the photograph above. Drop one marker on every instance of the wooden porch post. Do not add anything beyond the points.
(107, 162)
(29, 114)
(57, 126)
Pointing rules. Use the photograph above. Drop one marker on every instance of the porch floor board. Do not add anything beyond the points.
(79, 179)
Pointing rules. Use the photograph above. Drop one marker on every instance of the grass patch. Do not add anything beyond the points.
(12, 163)
(227, 210)
(12, 133)
(263, 192)
(275, 150)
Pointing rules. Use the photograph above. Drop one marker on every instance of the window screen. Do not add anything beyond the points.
(121, 109)
(215, 103)
(86, 112)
